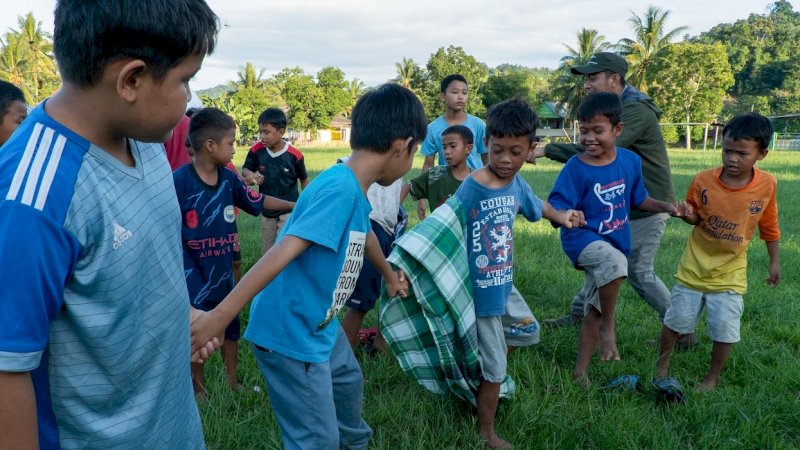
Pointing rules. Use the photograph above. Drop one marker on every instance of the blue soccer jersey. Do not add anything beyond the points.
(92, 297)
(208, 231)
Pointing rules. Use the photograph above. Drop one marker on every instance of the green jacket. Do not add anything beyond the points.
(640, 135)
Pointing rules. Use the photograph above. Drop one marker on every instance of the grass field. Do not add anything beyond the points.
(757, 404)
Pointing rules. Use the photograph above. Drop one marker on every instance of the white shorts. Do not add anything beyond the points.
(723, 313)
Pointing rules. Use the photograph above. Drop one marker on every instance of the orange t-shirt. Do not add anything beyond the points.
(715, 258)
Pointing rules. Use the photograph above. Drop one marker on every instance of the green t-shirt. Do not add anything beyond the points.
(437, 185)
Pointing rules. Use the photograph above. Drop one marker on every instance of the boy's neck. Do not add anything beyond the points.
(85, 112)
(455, 117)
(461, 171)
(736, 182)
(607, 157)
(280, 147)
(206, 170)
(487, 178)
(367, 167)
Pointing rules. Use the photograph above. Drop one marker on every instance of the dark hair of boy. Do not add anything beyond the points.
(449, 79)
(273, 116)
(190, 112)
(461, 130)
(512, 118)
(752, 127)
(208, 123)
(606, 104)
(385, 114)
(89, 35)
(9, 94)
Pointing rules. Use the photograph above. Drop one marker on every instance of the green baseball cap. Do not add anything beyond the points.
(602, 61)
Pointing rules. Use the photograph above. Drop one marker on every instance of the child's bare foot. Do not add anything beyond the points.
(492, 440)
(707, 385)
(235, 386)
(608, 346)
(581, 380)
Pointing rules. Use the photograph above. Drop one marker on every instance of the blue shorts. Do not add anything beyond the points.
(234, 330)
(368, 286)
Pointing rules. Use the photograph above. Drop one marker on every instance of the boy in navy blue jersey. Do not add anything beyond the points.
(276, 167)
(94, 310)
(605, 182)
(208, 194)
(493, 196)
(315, 383)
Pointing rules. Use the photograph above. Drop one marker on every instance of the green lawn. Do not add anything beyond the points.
(757, 404)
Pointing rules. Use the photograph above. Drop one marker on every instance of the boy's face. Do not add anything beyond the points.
(455, 150)
(160, 104)
(456, 95)
(507, 154)
(401, 157)
(270, 136)
(11, 120)
(224, 148)
(739, 157)
(599, 137)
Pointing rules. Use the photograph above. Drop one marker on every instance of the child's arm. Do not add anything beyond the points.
(396, 283)
(213, 323)
(657, 206)
(570, 218)
(277, 204)
(687, 213)
(404, 191)
(773, 250)
(251, 177)
(18, 424)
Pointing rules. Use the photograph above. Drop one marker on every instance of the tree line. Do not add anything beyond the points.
(748, 65)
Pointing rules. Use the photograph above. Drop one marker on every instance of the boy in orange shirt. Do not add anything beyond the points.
(725, 205)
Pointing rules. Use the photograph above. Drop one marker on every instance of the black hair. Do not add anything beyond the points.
(273, 116)
(208, 123)
(385, 114)
(461, 130)
(190, 112)
(90, 34)
(449, 79)
(512, 118)
(752, 127)
(606, 104)
(9, 94)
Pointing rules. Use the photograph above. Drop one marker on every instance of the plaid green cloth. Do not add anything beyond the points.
(432, 332)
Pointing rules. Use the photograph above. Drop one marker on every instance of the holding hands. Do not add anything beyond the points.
(207, 336)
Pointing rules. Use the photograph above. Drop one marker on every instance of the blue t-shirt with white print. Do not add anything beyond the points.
(208, 230)
(92, 297)
(432, 145)
(295, 315)
(605, 194)
(490, 238)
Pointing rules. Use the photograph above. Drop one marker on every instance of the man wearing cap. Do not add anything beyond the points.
(605, 72)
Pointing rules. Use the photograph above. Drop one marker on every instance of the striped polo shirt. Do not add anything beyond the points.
(93, 301)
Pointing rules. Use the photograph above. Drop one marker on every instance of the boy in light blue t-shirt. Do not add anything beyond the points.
(303, 281)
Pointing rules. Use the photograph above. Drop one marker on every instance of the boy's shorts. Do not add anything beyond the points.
(516, 328)
(234, 330)
(723, 313)
(368, 286)
(602, 263)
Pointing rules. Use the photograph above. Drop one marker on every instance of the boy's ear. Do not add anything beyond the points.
(618, 129)
(762, 154)
(469, 147)
(401, 147)
(130, 78)
(441, 96)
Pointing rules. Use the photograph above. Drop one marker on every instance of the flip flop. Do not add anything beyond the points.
(366, 335)
(623, 383)
(669, 389)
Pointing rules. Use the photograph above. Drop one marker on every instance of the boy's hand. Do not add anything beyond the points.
(686, 212)
(397, 285)
(538, 152)
(571, 218)
(206, 337)
(421, 209)
(774, 275)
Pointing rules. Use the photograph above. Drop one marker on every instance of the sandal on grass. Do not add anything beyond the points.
(669, 389)
(623, 383)
(366, 335)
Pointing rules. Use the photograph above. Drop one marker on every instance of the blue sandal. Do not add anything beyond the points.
(669, 389)
(623, 383)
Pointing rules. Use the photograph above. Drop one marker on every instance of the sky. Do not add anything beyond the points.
(365, 38)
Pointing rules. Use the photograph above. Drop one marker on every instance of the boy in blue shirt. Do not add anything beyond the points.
(208, 193)
(604, 182)
(94, 311)
(493, 196)
(300, 284)
(454, 92)
(12, 109)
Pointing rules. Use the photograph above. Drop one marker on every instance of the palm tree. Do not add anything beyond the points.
(647, 46)
(39, 48)
(26, 59)
(356, 89)
(248, 79)
(406, 70)
(568, 87)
